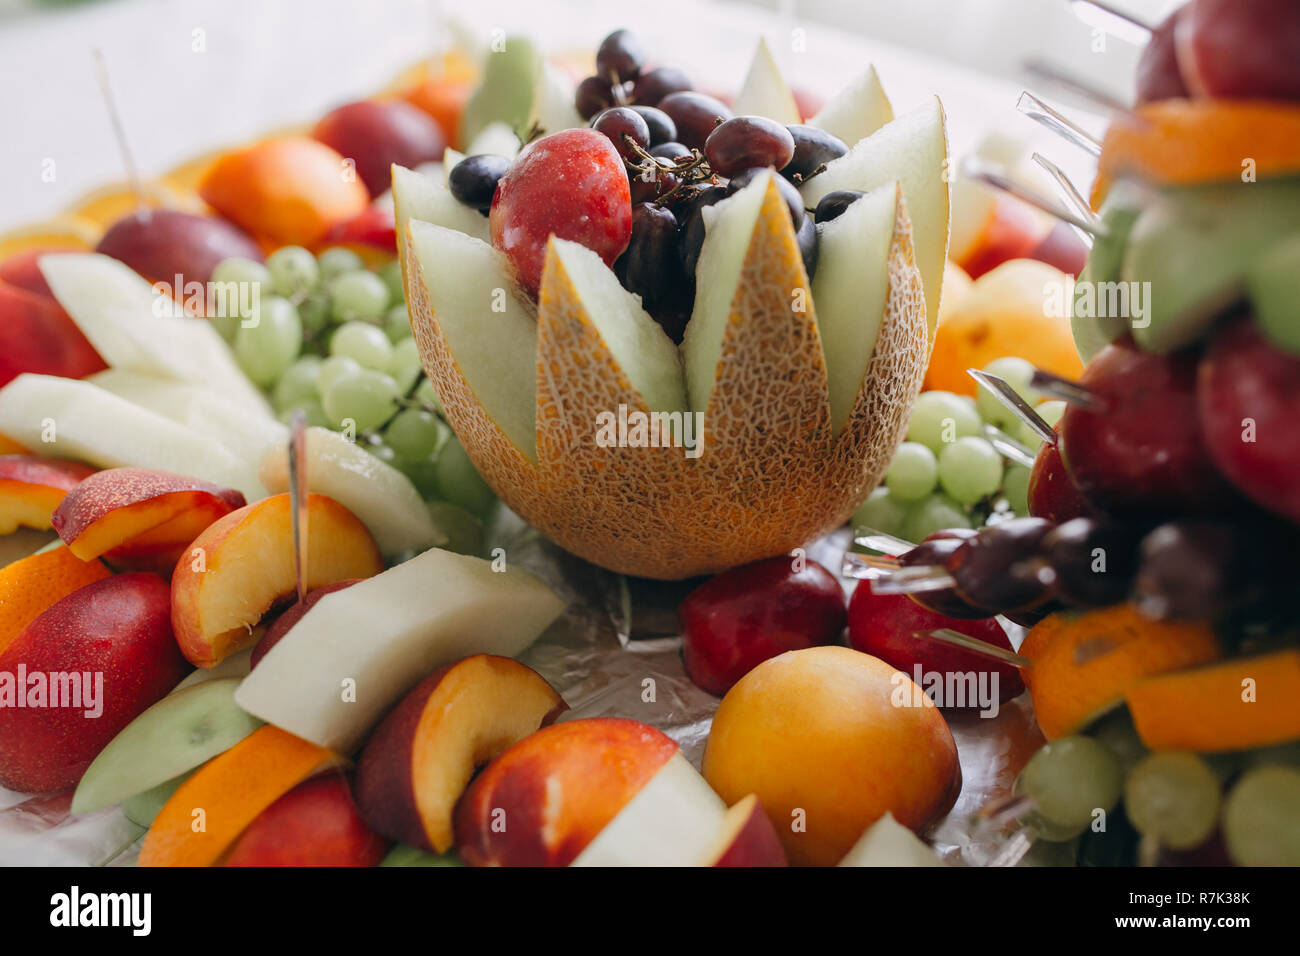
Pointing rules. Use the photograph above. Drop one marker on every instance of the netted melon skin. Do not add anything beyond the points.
(772, 476)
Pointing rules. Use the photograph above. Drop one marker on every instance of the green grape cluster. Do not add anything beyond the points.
(947, 474)
(332, 339)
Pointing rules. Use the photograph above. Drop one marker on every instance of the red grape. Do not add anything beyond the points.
(1248, 401)
(661, 125)
(1092, 562)
(670, 150)
(572, 184)
(791, 195)
(651, 267)
(619, 122)
(650, 88)
(813, 148)
(739, 619)
(593, 95)
(691, 216)
(997, 569)
(1052, 492)
(1141, 449)
(748, 142)
(1247, 49)
(806, 238)
(935, 551)
(883, 625)
(620, 57)
(695, 115)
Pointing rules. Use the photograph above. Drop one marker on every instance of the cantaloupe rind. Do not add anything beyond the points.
(771, 476)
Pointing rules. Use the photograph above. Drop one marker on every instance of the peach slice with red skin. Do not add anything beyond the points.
(31, 489)
(243, 566)
(420, 759)
(747, 838)
(556, 790)
(139, 517)
(290, 616)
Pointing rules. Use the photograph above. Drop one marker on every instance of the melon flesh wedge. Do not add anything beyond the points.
(382, 635)
(913, 150)
(644, 352)
(553, 109)
(417, 196)
(137, 329)
(95, 426)
(379, 495)
(856, 111)
(764, 92)
(851, 291)
(888, 843)
(488, 326)
(496, 139)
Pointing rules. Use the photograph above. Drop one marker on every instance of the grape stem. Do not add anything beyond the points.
(402, 403)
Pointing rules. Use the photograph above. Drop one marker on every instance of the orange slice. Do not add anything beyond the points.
(1236, 705)
(212, 808)
(1185, 142)
(32, 584)
(65, 231)
(10, 447)
(1083, 663)
(107, 205)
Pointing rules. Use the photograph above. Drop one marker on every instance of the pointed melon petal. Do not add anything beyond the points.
(851, 291)
(856, 111)
(765, 92)
(554, 109)
(581, 288)
(913, 150)
(486, 323)
(417, 196)
(496, 139)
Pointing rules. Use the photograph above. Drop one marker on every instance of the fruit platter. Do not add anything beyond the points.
(552, 460)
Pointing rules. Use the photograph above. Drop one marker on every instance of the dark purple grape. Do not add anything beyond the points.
(651, 88)
(671, 151)
(619, 122)
(695, 115)
(661, 125)
(935, 551)
(997, 569)
(620, 55)
(1192, 569)
(813, 147)
(649, 188)
(788, 193)
(806, 237)
(748, 142)
(473, 181)
(834, 204)
(650, 267)
(1092, 562)
(691, 216)
(593, 95)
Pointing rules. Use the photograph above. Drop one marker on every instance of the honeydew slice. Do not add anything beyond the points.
(488, 325)
(851, 291)
(236, 665)
(913, 150)
(856, 111)
(417, 196)
(175, 735)
(382, 635)
(381, 496)
(671, 821)
(765, 92)
(90, 424)
(553, 108)
(495, 139)
(636, 342)
(137, 329)
(888, 843)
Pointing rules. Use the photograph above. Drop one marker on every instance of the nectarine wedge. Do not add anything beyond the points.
(139, 516)
(314, 824)
(747, 838)
(78, 674)
(31, 488)
(243, 565)
(420, 759)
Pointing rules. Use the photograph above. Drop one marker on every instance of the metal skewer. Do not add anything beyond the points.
(1071, 194)
(1114, 11)
(298, 497)
(119, 131)
(997, 177)
(1012, 401)
(946, 635)
(1058, 123)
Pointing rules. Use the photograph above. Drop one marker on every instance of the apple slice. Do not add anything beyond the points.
(888, 843)
(184, 729)
(497, 139)
(913, 150)
(32, 488)
(377, 493)
(142, 808)
(244, 566)
(637, 343)
(133, 327)
(87, 423)
(672, 821)
(558, 789)
(383, 633)
(236, 665)
(764, 92)
(747, 838)
(856, 111)
(488, 324)
(857, 271)
(420, 759)
(144, 510)
(417, 196)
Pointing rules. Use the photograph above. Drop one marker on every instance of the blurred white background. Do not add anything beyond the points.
(192, 75)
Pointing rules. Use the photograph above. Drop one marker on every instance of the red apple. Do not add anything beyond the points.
(734, 622)
(36, 335)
